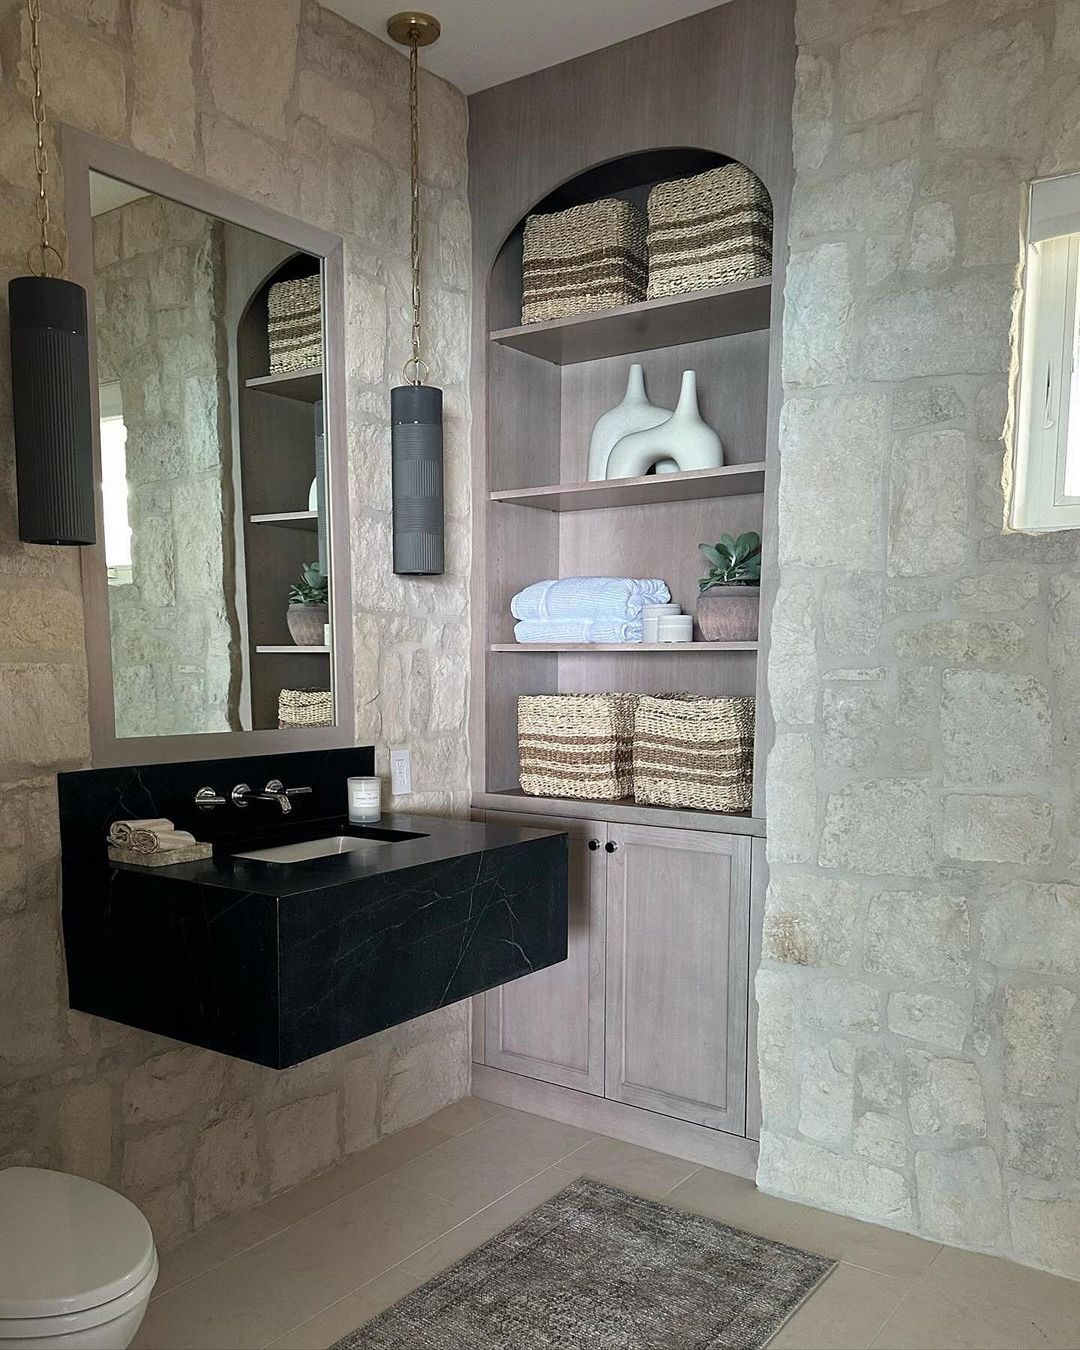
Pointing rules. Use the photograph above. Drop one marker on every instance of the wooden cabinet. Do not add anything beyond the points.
(678, 922)
(650, 1008)
(551, 1025)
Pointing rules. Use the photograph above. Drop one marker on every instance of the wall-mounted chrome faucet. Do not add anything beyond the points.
(206, 799)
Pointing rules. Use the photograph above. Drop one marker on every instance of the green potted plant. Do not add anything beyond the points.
(727, 608)
(309, 607)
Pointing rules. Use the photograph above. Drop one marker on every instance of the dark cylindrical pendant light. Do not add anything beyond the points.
(50, 385)
(50, 369)
(416, 408)
(417, 450)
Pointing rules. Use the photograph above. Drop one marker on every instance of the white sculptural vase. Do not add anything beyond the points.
(683, 439)
(634, 413)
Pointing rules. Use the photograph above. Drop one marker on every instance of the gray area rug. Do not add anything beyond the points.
(597, 1269)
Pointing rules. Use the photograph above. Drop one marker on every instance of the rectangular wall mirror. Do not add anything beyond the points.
(217, 599)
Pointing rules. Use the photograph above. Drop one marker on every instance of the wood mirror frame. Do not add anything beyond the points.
(82, 154)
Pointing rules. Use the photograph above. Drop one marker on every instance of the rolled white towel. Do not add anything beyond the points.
(589, 598)
(121, 831)
(160, 841)
(577, 630)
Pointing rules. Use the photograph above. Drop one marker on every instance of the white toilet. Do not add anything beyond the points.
(77, 1263)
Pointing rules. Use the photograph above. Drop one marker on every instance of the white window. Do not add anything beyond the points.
(114, 486)
(1046, 493)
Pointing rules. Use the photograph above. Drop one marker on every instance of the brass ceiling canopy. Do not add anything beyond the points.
(409, 27)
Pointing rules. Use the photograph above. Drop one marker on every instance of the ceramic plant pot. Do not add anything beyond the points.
(306, 624)
(684, 439)
(634, 413)
(728, 614)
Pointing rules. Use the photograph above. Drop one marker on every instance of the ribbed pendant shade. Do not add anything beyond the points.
(417, 455)
(50, 383)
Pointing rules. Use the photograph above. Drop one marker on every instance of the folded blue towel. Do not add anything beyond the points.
(577, 630)
(589, 598)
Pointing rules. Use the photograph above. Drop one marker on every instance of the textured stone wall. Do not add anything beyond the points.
(920, 994)
(286, 103)
(159, 291)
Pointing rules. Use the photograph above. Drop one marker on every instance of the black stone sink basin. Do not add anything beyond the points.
(278, 963)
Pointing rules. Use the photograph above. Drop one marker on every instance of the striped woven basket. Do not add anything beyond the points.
(305, 708)
(294, 324)
(588, 258)
(708, 230)
(576, 745)
(694, 752)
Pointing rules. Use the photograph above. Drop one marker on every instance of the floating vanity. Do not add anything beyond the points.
(302, 932)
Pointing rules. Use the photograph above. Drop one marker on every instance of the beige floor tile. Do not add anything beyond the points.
(479, 1167)
(464, 1115)
(863, 1244)
(971, 1299)
(635, 1169)
(736, 1202)
(360, 1170)
(257, 1296)
(844, 1313)
(350, 1312)
(211, 1245)
(930, 1320)
(474, 1232)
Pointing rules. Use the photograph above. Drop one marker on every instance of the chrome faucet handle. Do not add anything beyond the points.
(206, 799)
(298, 792)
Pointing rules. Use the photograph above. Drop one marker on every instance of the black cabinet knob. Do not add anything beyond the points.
(594, 844)
(611, 846)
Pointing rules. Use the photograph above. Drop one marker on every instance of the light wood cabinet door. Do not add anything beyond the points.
(677, 970)
(551, 1025)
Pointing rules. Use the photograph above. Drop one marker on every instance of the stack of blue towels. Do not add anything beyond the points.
(585, 609)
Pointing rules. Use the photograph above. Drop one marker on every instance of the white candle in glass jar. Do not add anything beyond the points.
(365, 800)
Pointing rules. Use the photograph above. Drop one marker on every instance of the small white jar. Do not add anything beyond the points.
(675, 628)
(651, 615)
(365, 801)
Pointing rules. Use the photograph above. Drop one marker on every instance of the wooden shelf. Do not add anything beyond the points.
(741, 307)
(291, 520)
(622, 812)
(292, 649)
(626, 648)
(733, 480)
(306, 386)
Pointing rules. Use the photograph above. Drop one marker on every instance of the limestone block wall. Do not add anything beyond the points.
(159, 296)
(920, 993)
(286, 103)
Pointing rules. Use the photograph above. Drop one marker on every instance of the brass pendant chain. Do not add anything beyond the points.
(416, 364)
(45, 249)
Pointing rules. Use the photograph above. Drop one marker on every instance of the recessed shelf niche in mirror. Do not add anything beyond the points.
(210, 359)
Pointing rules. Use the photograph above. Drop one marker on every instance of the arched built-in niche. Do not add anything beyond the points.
(547, 384)
(279, 432)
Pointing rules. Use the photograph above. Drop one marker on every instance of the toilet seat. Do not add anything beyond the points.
(66, 1324)
(73, 1254)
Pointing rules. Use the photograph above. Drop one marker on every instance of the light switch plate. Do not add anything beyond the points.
(400, 770)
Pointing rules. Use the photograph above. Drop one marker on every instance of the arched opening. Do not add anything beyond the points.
(629, 177)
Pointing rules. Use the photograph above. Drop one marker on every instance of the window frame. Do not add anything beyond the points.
(1047, 371)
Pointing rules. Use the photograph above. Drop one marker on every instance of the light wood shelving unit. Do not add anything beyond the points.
(659, 897)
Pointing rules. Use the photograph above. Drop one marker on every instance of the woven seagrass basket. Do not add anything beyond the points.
(708, 230)
(576, 745)
(588, 258)
(295, 324)
(694, 752)
(305, 708)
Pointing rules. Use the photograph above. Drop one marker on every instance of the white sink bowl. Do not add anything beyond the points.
(314, 848)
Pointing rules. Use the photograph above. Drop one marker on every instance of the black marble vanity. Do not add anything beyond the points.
(274, 962)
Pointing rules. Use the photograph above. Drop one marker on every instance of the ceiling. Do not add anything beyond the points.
(486, 42)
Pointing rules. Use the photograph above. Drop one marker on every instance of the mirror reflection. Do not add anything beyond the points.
(209, 345)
